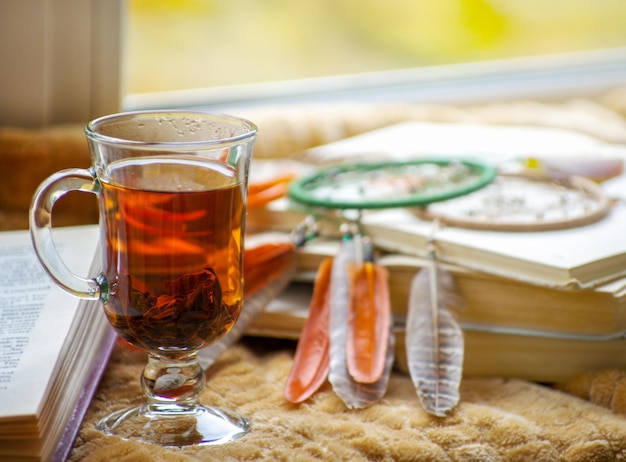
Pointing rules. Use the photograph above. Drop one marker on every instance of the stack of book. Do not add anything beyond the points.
(539, 305)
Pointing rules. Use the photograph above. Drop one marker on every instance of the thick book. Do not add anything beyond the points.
(53, 347)
(488, 299)
(573, 258)
(493, 303)
(511, 329)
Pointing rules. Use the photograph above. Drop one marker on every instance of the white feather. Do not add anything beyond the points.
(434, 339)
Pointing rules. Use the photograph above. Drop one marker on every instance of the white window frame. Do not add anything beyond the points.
(61, 60)
(547, 78)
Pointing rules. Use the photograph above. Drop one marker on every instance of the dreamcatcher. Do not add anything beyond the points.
(348, 335)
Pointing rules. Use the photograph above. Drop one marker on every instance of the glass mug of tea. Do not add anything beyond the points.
(171, 189)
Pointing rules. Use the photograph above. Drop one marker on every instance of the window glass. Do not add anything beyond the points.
(186, 44)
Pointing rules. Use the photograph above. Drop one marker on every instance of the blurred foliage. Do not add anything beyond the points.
(180, 44)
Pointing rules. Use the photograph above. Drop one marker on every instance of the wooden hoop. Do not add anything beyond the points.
(591, 190)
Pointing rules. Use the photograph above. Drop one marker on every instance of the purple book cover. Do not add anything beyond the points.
(73, 425)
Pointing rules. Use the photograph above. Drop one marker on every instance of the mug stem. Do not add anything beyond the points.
(168, 382)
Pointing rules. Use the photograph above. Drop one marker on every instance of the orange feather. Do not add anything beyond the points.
(369, 321)
(311, 361)
(261, 193)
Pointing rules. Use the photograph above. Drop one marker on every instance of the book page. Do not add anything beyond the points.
(491, 144)
(577, 257)
(36, 316)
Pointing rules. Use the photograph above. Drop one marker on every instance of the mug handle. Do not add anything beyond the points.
(48, 192)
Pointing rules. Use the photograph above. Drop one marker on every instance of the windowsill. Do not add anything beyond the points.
(545, 78)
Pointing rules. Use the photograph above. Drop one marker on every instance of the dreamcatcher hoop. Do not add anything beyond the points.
(524, 202)
(390, 184)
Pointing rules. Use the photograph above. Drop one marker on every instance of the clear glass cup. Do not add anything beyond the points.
(172, 190)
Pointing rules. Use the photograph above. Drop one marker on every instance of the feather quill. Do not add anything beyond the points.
(369, 323)
(311, 360)
(434, 339)
(354, 394)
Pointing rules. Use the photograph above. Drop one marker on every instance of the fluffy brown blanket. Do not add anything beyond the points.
(497, 419)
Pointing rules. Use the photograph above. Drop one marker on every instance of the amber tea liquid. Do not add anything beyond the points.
(173, 249)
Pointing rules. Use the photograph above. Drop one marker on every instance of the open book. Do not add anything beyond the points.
(573, 258)
(53, 347)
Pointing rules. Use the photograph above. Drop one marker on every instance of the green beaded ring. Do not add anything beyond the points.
(379, 185)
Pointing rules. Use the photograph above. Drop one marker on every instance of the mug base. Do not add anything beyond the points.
(175, 425)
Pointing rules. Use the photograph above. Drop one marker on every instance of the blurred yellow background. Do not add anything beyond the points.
(184, 44)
